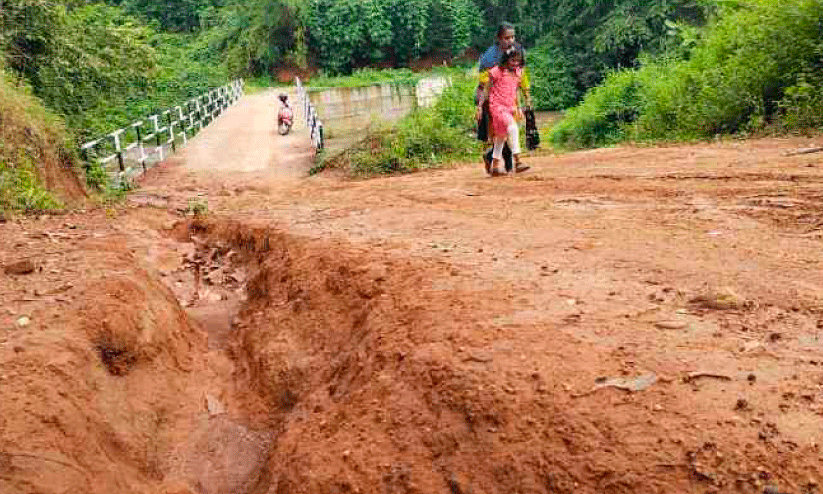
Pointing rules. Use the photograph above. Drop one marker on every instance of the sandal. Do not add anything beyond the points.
(487, 161)
(495, 168)
(519, 167)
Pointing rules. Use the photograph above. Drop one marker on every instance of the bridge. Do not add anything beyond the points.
(232, 128)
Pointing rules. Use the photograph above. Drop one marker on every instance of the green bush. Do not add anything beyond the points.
(603, 116)
(253, 37)
(183, 69)
(735, 79)
(802, 104)
(754, 66)
(100, 68)
(551, 76)
(95, 55)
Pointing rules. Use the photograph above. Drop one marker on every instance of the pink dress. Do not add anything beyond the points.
(503, 98)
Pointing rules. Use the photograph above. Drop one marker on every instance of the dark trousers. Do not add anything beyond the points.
(507, 156)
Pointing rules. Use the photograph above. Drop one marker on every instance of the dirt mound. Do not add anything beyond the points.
(100, 381)
(380, 383)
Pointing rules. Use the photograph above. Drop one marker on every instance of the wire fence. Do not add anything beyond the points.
(314, 124)
(130, 151)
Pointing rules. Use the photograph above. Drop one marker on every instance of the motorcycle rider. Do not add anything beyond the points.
(285, 115)
(284, 99)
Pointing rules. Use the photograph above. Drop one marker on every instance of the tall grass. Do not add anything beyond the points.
(30, 139)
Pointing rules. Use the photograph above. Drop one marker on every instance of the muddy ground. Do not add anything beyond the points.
(627, 320)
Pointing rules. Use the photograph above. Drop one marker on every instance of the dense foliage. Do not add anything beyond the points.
(351, 33)
(670, 69)
(253, 37)
(97, 66)
(593, 36)
(172, 15)
(551, 74)
(757, 65)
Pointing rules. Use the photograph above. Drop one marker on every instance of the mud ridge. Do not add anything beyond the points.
(380, 379)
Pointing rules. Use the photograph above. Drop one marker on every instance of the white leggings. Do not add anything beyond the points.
(514, 141)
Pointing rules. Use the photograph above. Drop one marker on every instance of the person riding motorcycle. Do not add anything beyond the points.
(285, 116)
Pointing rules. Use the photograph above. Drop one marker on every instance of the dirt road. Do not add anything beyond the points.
(627, 320)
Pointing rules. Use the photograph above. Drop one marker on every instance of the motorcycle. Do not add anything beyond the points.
(285, 119)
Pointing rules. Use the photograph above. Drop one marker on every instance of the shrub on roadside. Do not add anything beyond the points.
(603, 116)
(755, 66)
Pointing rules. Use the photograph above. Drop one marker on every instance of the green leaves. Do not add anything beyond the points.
(253, 37)
(172, 15)
(351, 33)
(551, 76)
(756, 65)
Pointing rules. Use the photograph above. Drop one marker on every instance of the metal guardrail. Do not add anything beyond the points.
(138, 146)
(310, 113)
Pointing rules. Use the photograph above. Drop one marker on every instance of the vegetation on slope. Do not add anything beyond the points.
(33, 152)
(757, 65)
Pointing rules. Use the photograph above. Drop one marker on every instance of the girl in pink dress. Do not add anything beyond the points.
(501, 91)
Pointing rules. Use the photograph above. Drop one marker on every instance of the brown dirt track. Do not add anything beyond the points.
(439, 332)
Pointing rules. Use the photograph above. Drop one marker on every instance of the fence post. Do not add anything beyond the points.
(198, 109)
(139, 130)
(182, 122)
(84, 154)
(118, 149)
(321, 143)
(171, 130)
(154, 119)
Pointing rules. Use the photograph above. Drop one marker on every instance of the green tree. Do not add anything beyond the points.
(553, 85)
(755, 65)
(254, 37)
(346, 34)
(172, 15)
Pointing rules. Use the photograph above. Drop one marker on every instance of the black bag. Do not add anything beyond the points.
(532, 136)
(484, 124)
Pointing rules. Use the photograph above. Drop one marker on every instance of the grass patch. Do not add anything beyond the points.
(31, 139)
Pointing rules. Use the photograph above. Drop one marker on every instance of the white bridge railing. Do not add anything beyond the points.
(310, 113)
(128, 152)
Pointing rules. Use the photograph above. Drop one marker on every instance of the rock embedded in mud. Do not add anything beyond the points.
(671, 324)
(18, 268)
(223, 457)
(724, 299)
(214, 406)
